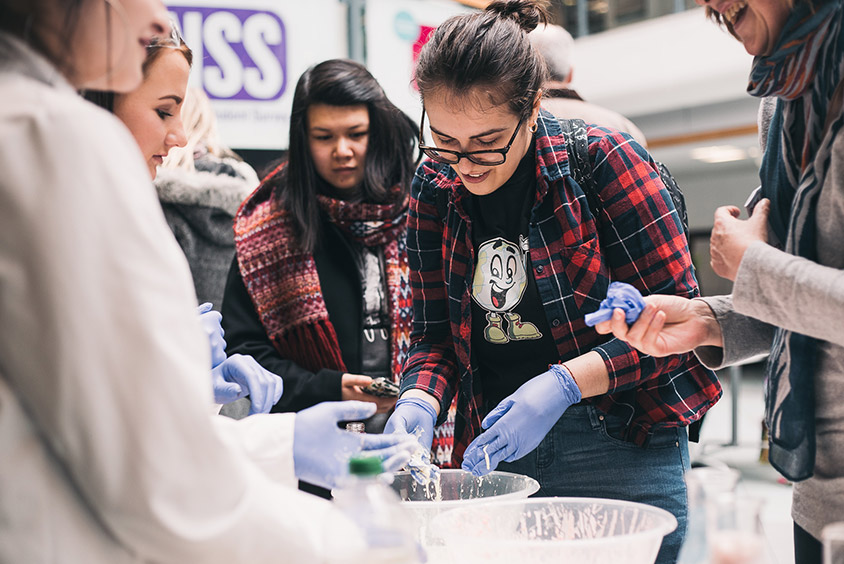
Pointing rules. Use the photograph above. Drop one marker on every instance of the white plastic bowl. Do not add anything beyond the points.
(458, 488)
(552, 529)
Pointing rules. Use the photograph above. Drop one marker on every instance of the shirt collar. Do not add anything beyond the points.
(551, 156)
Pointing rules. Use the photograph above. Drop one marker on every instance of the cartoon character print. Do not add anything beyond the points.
(498, 286)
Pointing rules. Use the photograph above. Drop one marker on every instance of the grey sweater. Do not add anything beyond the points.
(774, 288)
(200, 208)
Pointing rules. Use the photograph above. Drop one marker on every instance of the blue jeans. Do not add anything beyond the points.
(582, 456)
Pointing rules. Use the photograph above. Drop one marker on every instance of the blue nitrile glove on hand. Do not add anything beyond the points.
(416, 417)
(519, 423)
(321, 450)
(210, 321)
(619, 296)
(239, 376)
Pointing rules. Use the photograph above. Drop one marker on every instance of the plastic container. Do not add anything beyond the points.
(702, 484)
(457, 488)
(389, 530)
(553, 530)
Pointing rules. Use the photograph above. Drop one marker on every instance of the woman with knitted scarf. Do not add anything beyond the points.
(319, 291)
(787, 259)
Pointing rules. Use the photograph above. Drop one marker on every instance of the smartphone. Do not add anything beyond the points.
(382, 388)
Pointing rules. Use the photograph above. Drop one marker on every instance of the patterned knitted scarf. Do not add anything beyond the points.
(284, 284)
(804, 71)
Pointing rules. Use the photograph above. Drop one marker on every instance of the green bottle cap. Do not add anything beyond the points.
(368, 466)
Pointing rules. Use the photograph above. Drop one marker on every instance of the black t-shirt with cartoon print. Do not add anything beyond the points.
(511, 338)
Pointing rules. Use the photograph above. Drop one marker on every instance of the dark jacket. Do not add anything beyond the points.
(339, 279)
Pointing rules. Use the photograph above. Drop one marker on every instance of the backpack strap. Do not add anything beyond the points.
(577, 147)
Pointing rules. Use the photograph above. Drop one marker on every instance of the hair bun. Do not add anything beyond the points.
(526, 13)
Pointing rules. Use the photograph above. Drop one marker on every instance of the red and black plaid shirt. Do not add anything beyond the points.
(637, 238)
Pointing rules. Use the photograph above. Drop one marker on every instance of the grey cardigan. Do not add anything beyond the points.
(774, 288)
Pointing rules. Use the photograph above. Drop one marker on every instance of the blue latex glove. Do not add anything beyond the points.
(210, 320)
(619, 296)
(321, 450)
(416, 417)
(239, 376)
(519, 423)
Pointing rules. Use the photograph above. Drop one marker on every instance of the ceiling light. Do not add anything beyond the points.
(719, 154)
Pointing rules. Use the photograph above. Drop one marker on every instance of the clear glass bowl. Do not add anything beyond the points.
(551, 529)
(457, 488)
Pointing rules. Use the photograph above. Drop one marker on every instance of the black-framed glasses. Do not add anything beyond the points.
(489, 157)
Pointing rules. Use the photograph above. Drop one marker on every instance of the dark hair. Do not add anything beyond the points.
(487, 49)
(390, 160)
(105, 98)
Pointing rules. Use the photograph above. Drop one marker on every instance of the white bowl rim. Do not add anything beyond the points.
(533, 487)
(669, 526)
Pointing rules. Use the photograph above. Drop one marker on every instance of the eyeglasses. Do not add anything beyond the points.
(173, 39)
(491, 157)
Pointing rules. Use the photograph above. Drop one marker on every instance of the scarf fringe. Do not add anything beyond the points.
(313, 345)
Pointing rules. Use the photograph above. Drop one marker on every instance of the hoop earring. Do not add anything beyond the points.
(534, 127)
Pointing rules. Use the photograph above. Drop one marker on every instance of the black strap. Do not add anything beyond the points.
(577, 147)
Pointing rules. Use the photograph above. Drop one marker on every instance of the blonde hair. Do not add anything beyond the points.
(200, 125)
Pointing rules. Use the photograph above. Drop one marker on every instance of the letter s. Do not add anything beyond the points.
(259, 32)
(226, 80)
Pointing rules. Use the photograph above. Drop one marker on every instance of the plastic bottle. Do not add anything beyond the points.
(389, 529)
(702, 485)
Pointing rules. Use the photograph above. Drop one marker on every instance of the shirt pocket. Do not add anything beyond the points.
(586, 272)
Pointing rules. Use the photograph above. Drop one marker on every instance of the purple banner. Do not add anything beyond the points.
(241, 54)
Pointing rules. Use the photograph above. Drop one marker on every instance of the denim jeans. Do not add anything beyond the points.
(583, 456)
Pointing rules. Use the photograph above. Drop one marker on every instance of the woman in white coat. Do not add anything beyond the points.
(107, 452)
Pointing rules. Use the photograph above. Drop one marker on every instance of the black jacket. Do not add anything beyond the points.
(339, 278)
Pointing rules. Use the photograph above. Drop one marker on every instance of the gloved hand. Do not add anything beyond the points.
(519, 423)
(416, 417)
(239, 376)
(321, 450)
(619, 296)
(210, 320)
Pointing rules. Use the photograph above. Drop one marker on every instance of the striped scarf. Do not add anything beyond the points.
(803, 72)
(284, 284)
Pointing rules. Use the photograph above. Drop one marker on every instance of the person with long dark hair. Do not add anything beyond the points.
(108, 451)
(504, 273)
(319, 291)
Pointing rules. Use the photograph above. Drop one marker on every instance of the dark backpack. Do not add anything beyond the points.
(577, 147)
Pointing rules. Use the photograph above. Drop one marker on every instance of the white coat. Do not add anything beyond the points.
(108, 453)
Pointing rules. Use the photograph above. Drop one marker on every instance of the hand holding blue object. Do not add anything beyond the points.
(619, 296)
(520, 422)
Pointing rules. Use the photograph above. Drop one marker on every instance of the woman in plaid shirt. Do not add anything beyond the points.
(506, 258)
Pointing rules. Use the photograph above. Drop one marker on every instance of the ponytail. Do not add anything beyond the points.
(489, 51)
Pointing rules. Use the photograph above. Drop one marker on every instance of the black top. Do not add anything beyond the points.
(511, 338)
(337, 264)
